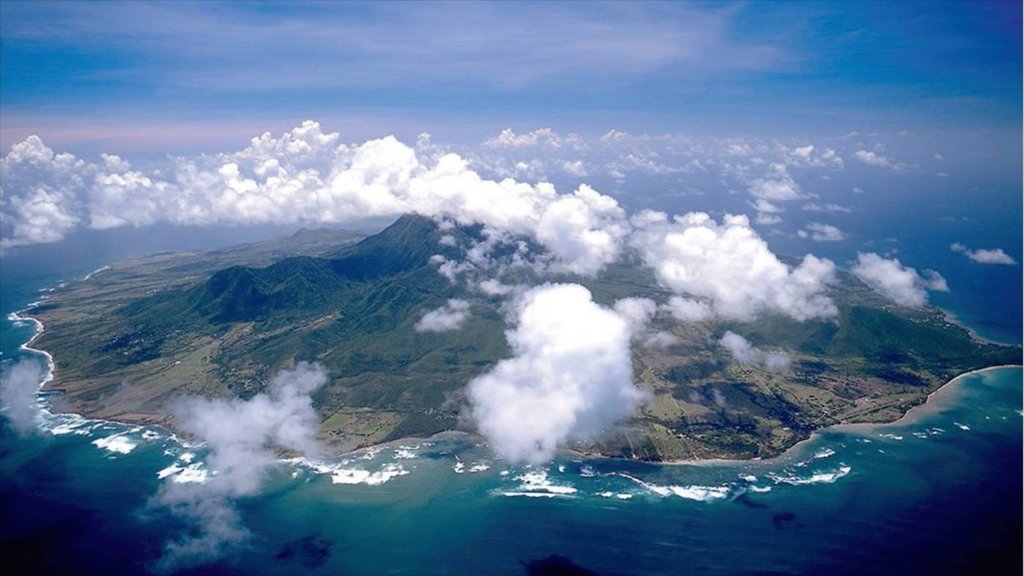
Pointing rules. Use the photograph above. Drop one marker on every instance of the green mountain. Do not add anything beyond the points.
(132, 339)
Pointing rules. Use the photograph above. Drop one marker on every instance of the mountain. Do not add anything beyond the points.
(131, 339)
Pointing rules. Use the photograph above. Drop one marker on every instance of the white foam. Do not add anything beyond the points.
(63, 424)
(537, 482)
(699, 493)
(620, 496)
(531, 494)
(386, 473)
(824, 453)
(890, 436)
(340, 474)
(749, 478)
(817, 478)
(459, 467)
(194, 473)
(405, 452)
(94, 272)
(479, 467)
(760, 489)
(169, 471)
(962, 426)
(117, 443)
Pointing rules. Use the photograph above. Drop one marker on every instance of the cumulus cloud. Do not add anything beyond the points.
(877, 160)
(985, 255)
(637, 311)
(19, 383)
(447, 318)
(241, 437)
(772, 190)
(744, 352)
(821, 232)
(570, 377)
(304, 175)
(727, 270)
(901, 284)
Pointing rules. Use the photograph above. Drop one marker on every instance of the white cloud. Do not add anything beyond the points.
(304, 175)
(637, 311)
(728, 269)
(19, 384)
(985, 255)
(447, 318)
(901, 284)
(241, 437)
(570, 377)
(827, 208)
(821, 232)
(873, 159)
(745, 353)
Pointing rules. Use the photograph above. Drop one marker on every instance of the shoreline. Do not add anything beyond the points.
(51, 366)
(908, 417)
(952, 318)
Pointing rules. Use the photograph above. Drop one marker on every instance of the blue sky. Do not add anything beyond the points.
(186, 77)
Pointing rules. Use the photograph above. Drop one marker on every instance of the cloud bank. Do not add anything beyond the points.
(303, 176)
(570, 377)
(984, 256)
(241, 437)
(901, 284)
(725, 269)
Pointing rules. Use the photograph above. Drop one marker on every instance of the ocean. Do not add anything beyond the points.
(939, 492)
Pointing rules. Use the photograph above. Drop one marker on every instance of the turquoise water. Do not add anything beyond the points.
(939, 493)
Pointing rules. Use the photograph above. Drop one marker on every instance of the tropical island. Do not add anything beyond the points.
(132, 339)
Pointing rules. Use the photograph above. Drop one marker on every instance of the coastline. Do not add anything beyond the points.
(51, 366)
(974, 334)
(908, 417)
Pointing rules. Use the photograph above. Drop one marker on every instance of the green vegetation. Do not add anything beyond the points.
(131, 339)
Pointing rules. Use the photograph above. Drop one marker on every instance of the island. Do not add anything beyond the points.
(141, 333)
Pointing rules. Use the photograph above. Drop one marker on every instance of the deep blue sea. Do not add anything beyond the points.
(937, 493)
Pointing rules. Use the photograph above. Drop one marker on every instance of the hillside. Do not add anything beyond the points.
(131, 339)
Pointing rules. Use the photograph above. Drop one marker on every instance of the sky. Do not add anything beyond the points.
(180, 77)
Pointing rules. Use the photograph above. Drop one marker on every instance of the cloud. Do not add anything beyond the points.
(744, 353)
(877, 160)
(984, 256)
(827, 208)
(638, 312)
(570, 377)
(305, 175)
(353, 50)
(19, 384)
(40, 192)
(241, 437)
(901, 284)
(727, 269)
(447, 318)
(821, 232)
